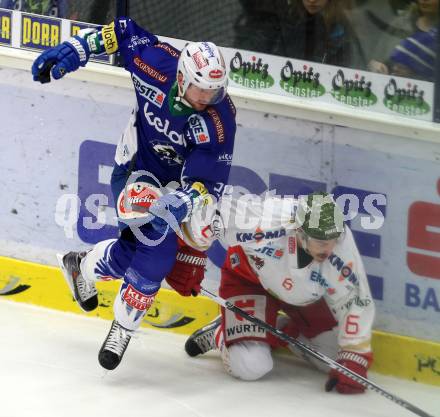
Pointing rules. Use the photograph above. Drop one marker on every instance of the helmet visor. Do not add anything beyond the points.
(205, 96)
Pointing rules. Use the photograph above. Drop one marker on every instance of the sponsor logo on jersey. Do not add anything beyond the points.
(173, 52)
(245, 330)
(292, 245)
(199, 60)
(149, 70)
(149, 92)
(345, 269)
(216, 74)
(136, 299)
(236, 327)
(135, 41)
(318, 278)
(109, 38)
(198, 128)
(162, 126)
(225, 158)
(272, 252)
(38, 32)
(360, 302)
(217, 123)
(259, 235)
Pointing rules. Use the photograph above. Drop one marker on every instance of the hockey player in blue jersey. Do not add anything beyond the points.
(181, 130)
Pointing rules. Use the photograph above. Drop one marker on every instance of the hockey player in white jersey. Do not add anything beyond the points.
(292, 256)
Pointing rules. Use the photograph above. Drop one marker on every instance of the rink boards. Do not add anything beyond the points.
(44, 286)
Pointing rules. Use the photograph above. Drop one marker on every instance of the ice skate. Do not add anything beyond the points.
(114, 346)
(83, 291)
(202, 340)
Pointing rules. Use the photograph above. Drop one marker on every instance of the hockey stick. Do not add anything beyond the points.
(318, 355)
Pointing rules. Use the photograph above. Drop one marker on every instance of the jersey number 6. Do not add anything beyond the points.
(351, 324)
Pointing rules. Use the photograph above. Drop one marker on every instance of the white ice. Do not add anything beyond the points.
(49, 368)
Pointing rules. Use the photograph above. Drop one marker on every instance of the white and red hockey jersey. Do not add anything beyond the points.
(266, 234)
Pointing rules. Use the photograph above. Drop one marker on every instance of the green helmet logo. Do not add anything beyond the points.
(319, 216)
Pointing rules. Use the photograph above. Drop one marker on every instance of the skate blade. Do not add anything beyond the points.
(65, 274)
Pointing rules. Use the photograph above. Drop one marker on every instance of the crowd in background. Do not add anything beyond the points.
(386, 36)
(93, 11)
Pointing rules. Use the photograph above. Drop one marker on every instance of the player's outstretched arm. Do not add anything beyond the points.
(63, 58)
(355, 314)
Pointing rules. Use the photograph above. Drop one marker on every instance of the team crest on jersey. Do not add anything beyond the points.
(136, 41)
(198, 130)
(149, 92)
(167, 153)
(234, 259)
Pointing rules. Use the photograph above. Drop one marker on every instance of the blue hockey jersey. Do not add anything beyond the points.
(173, 141)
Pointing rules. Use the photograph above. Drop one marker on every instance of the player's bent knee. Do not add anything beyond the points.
(250, 360)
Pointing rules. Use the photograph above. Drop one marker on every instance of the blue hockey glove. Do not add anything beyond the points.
(61, 59)
(174, 208)
(170, 210)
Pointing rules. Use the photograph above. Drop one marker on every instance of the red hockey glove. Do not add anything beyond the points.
(356, 362)
(188, 271)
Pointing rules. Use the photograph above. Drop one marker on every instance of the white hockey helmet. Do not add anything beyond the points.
(202, 64)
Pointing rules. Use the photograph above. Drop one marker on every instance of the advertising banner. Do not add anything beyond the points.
(351, 88)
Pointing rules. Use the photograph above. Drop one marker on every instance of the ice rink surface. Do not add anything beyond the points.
(49, 368)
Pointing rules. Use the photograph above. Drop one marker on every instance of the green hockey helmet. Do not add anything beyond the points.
(319, 217)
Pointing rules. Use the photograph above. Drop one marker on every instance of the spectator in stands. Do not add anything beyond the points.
(318, 30)
(257, 27)
(421, 16)
(98, 12)
(414, 57)
(44, 7)
(313, 30)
